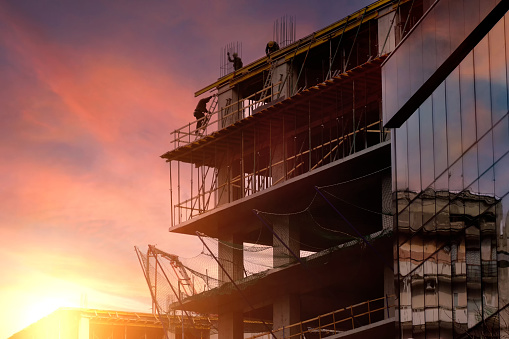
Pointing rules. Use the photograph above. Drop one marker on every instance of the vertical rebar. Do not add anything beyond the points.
(178, 192)
(253, 184)
(270, 149)
(242, 178)
(284, 150)
(204, 179)
(365, 113)
(172, 223)
(353, 118)
(309, 134)
(228, 169)
(284, 30)
(198, 193)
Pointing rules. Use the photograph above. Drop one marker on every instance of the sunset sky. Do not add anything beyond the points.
(89, 92)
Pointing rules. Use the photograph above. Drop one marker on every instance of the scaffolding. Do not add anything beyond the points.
(305, 118)
(178, 284)
(224, 116)
(275, 141)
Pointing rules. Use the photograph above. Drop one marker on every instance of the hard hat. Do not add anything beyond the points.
(271, 43)
(235, 54)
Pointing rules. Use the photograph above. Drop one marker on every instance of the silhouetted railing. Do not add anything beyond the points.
(342, 320)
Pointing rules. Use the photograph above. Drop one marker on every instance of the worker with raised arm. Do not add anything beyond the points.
(237, 62)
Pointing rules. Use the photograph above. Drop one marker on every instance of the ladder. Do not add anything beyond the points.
(206, 119)
(267, 86)
(186, 284)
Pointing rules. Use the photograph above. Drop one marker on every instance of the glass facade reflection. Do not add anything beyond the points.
(447, 31)
(451, 181)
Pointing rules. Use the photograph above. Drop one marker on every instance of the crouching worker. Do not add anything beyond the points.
(271, 47)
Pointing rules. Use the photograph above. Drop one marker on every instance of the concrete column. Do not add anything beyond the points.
(229, 172)
(231, 258)
(286, 308)
(230, 325)
(278, 168)
(284, 74)
(289, 233)
(229, 107)
(286, 311)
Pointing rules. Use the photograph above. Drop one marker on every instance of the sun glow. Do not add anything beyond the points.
(42, 295)
(43, 307)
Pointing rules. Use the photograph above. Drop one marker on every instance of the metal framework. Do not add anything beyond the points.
(274, 142)
(162, 291)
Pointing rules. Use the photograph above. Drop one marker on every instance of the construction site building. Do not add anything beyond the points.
(368, 163)
(83, 323)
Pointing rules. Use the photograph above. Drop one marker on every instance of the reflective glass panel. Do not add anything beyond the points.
(468, 129)
(418, 310)
(426, 125)
(454, 148)
(501, 138)
(472, 14)
(414, 157)
(482, 87)
(470, 169)
(429, 64)
(403, 73)
(440, 136)
(502, 178)
(442, 34)
(416, 56)
(498, 69)
(401, 142)
(485, 159)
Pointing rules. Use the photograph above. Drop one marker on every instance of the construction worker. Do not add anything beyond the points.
(272, 46)
(237, 62)
(199, 112)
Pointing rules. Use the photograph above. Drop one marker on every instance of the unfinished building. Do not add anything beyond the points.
(294, 161)
(316, 221)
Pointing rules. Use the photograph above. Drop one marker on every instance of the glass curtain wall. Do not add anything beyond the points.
(451, 186)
